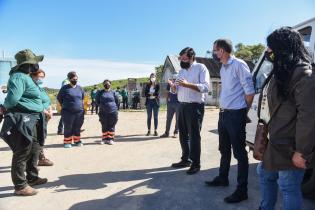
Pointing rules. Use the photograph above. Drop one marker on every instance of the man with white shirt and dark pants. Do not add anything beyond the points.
(237, 92)
(192, 85)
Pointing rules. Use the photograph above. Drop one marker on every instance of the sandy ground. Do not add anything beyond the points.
(134, 173)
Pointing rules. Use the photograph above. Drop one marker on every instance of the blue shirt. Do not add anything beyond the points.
(71, 98)
(236, 82)
(197, 74)
(107, 101)
(172, 97)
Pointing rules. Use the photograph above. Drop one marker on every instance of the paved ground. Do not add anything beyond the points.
(132, 174)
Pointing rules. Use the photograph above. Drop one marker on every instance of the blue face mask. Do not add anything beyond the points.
(40, 83)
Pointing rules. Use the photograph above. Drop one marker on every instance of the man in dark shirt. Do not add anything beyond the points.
(93, 96)
(172, 108)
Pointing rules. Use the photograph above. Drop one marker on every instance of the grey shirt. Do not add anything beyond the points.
(197, 74)
(236, 82)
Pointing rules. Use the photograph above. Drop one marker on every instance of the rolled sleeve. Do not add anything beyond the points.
(204, 78)
(246, 79)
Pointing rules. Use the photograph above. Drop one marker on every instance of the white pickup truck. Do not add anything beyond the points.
(260, 73)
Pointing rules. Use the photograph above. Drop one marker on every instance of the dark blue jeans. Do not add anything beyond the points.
(152, 106)
(289, 182)
(189, 123)
(232, 132)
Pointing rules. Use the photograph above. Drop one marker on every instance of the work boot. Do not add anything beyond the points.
(43, 161)
(38, 181)
(26, 191)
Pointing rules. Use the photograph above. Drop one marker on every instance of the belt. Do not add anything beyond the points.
(231, 110)
(191, 103)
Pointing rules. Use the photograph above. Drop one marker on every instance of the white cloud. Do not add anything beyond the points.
(92, 71)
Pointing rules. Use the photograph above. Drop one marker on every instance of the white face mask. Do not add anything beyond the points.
(153, 79)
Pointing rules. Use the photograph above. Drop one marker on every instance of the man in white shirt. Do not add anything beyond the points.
(192, 85)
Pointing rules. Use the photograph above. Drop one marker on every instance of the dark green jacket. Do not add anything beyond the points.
(23, 123)
(23, 94)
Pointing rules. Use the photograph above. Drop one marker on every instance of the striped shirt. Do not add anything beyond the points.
(197, 74)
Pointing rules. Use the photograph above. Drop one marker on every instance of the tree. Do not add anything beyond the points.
(249, 52)
(159, 73)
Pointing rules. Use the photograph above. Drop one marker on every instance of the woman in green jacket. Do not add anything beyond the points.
(23, 126)
(38, 78)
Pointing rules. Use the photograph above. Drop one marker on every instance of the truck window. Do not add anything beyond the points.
(262, 73)
(306, 34)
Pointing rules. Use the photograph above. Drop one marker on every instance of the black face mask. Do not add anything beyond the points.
(185, 65)
(270, 56)
(106, 87)
(215, 57)
(73, 82)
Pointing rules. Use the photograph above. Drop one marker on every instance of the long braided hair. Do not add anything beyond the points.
(288, 49)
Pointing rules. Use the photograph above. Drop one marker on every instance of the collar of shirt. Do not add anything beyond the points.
(230, 61)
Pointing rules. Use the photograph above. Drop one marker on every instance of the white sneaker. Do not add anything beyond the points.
(102, 142)
(110, 142)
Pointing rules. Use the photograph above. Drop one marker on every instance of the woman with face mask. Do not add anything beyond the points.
(107, 101)
(288, 98)
(23, 126)
(38, 78)
(71, 98)
(152, 103)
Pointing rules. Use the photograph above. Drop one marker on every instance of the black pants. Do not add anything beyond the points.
(94, 107)
(73, 123)
(232, 132)
(25, 158)
(60, 125)
(108, 121)
(189, 123)
(125, 102)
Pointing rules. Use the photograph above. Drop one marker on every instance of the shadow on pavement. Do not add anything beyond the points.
(160, 188)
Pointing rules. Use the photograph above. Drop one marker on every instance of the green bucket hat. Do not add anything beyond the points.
(26, 57)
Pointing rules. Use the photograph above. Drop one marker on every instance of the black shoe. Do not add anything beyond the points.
(193, 169)
(148, 134)
(236, 197)
(218, 182)
(165, 135)
(60, 132)
(181, 164)
(156, 133)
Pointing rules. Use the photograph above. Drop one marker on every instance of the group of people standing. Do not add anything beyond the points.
(288, 95)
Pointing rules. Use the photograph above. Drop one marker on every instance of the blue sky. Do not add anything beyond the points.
(139, 32)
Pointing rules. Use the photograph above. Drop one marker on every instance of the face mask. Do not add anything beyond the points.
(73, 82)
(185, 65)
(270, 56)
(40, 83)
(215, 57)
(106, 86)
(153, 79)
